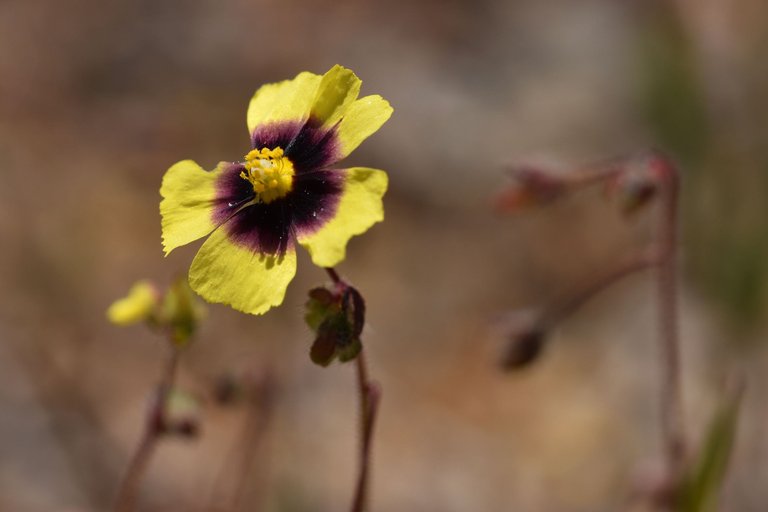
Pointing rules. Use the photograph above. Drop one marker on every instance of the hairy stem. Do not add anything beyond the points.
(153, 430)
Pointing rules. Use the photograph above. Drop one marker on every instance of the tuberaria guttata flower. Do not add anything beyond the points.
(288, 188)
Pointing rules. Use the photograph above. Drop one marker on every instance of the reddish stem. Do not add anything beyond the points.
(153, 430)
(259, 413)
(569, 304)
(671, 390)
(334, 275)
(370, 396)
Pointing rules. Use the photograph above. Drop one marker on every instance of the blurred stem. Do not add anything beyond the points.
(370, 396)
(153, 429)
(260, 405)
(671, 385)
(595, 173)
(569, 304)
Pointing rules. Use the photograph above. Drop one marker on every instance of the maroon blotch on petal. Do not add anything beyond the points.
(308, 146)
(232, 192)
(277, 134)
(313, 148)
(262, 228)
(315, 199)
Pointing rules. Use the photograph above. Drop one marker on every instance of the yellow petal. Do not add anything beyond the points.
(228, 273)
(289, 100)
(360, 208)
(362, 119)
(136, 307)
(188, 201)
(338, 89)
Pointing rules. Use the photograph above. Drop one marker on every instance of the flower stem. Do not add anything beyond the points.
(334, 275)
(370, 396)
(153, 430)
(260, 406)
(568, 304)
(671, 385)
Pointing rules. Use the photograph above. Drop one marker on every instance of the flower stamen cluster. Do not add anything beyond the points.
(270, 172)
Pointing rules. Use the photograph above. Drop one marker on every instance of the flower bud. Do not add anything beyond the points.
(635, 186)
(523, 349)
(526, 337)
(181, 312)
(177, 312)
(337, 317)
(532, 187)
(181, 416)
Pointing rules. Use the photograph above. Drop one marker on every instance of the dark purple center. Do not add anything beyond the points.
(269, 228)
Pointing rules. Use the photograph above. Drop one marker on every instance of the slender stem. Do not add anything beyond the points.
(671, 385)
(370, 396)
(334, 275)
(570, 303)
(596, 173)
(257, 419)
(153, 430)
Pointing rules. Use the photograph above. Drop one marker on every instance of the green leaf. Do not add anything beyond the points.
(701, 486)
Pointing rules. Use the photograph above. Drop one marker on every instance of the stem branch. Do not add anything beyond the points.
(569, 304)
(671, 385)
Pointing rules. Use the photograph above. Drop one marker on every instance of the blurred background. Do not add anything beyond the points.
(98, 99)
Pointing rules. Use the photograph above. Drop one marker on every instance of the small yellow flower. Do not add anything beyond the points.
(286, 189)
(176, 311)
(138, 306)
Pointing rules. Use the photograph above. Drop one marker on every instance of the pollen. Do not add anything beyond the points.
(270, 172)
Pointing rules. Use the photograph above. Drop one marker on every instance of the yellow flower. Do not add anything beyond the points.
(138, 306)
(288, 188)
(176, 311)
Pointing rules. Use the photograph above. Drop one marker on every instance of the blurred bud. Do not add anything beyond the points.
(337, 317)
(182, 415)
(181, 312)
(532, 187)
(635, 186)
(178, 311)
(525, 336)
(140, 305)
(523, 349)
(228, 389)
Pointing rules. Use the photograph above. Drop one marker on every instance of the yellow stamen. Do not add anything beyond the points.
(270, 172)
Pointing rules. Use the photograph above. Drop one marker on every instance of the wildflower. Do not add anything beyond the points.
(177, 311)
(286, 189)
